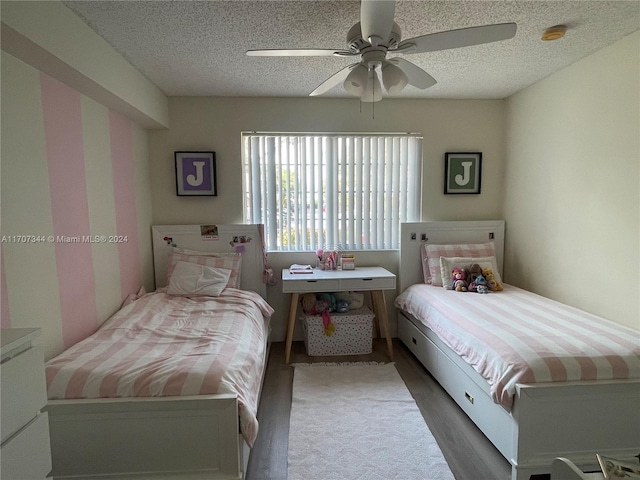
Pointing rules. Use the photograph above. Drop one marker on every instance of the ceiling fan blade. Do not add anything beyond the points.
(300, 52)
(463, 37)
(416, 76)
(376, 20)
(333, 80)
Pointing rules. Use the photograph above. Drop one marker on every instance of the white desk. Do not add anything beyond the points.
(371, 279)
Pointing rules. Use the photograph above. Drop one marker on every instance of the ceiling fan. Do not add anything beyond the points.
(376, 35)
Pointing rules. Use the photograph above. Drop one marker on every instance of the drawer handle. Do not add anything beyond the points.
(367, 279)
(415, 342)
(312, 281)
(469, 397)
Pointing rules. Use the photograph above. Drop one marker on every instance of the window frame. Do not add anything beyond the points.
(381, 150)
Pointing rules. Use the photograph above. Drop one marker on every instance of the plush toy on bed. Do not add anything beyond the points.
(458, 282)
(472, 273)
(492, 283)
(481, 284)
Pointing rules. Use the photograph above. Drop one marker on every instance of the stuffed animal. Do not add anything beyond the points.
(458, 282)
(315, 306)
(481, 284)
(309, 303)
(472, 273)
(492, 283)
(330, 299)
(321, 307)
(329, 326)
(342, 306)
(354, 299)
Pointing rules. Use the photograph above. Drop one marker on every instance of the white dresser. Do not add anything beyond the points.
(25, 448)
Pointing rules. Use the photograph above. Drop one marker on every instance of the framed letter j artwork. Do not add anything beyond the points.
(196, 173)
(462, 172)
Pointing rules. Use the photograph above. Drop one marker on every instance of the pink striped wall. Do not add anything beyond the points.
(5, 317)
(125, 202)
(69, 208)
(72, 144)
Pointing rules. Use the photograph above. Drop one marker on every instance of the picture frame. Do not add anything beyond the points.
(462, 172)
(196, 174)
(613, 468)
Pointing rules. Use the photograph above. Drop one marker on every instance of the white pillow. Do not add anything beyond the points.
(431, 254)
(186, 251)
(193, 279)
(232, 262)
(447, 264)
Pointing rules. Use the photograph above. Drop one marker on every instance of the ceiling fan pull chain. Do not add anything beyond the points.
(373, 102)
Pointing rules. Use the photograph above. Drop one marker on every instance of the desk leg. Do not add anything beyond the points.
(381, 310)
(293, 309)
(376, 321)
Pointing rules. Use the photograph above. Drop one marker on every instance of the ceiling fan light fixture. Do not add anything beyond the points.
(394, 78)
(376, 35)
(356, 81)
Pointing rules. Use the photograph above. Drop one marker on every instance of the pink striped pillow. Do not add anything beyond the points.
(431, 257)
(229, 261)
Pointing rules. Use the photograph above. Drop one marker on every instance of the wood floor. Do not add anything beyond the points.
(469, 454)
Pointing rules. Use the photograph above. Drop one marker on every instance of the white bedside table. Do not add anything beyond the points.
(26, 449)
(371, 279)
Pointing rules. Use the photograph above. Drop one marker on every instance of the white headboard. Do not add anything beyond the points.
(245, 239)
(413, 235)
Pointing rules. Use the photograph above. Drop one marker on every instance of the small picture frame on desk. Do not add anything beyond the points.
(348, 262)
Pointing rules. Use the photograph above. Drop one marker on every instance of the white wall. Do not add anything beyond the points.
(572, 204)
(216, 124)
(51, 38)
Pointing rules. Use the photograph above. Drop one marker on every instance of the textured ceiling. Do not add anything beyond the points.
(194, 48)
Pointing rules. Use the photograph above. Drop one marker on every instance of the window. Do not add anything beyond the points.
(332, 191)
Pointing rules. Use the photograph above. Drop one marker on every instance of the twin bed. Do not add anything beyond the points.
(540, 379)
(169, 386)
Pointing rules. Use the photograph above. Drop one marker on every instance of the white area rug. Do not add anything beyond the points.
(359, 422)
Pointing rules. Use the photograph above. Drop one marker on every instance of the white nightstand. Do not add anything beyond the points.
(25, 449)
(372, 279)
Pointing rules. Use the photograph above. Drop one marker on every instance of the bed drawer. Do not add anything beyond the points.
(417, 343)
(494, 421)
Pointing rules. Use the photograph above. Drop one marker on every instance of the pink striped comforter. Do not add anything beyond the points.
(165, 345)
(515, 336)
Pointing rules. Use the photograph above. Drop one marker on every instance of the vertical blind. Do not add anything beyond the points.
(332, 191)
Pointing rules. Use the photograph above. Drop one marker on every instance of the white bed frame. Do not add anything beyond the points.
(569, 419)
(191, 437)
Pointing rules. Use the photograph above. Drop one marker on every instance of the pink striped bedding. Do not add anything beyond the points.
(515, 336)
(165, 345)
